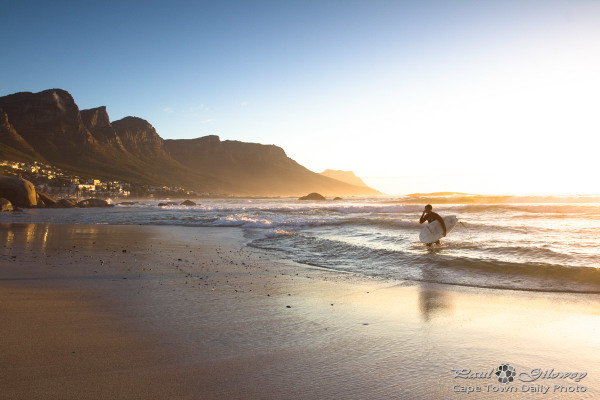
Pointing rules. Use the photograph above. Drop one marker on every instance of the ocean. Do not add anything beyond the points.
(507, 242)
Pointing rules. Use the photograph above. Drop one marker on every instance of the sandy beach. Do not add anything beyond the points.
(151, 312)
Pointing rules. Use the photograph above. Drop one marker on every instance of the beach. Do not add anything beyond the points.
(303, 200)
(107, 311)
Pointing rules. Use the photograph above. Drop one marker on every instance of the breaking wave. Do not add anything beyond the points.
(543, 243)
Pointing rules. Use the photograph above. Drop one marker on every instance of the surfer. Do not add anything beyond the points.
(430, 216)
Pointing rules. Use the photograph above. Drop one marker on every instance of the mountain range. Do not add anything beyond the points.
(49, 126)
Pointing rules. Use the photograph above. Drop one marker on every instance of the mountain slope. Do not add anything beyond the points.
(85, 142)
(344, 176)
(48, 126)
(256, 168)
(48, 121)
(96, 120)
(148, 153)
(12, 145)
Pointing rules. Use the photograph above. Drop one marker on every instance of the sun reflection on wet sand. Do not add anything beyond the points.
(39, 236)
(428, 329)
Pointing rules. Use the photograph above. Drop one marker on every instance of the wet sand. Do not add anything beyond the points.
(105, 312)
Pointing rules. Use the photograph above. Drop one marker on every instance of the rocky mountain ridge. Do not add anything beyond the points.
(48, 126)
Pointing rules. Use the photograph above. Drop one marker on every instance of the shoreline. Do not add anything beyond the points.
(195, 313)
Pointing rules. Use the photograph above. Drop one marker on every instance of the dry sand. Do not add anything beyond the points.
(146, 312)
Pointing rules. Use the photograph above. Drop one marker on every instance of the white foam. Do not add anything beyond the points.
(279, 232)
(243, 221)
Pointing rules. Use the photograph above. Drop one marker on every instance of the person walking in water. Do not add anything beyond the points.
(430, 216)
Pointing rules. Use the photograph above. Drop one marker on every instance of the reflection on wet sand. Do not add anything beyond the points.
(24, 235)
(39, 236)
(433, 301)
(56, 237)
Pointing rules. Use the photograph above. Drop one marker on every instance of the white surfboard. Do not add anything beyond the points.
(433, 231)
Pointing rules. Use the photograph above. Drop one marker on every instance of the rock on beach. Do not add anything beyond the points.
(94, 203)
(5, 205)
(18, 191)
(312, 196)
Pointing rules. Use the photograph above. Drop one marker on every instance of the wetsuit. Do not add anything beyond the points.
(432, 216)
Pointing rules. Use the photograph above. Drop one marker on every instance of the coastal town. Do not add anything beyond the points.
(60, 184)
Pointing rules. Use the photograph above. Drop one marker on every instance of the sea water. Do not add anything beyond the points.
(522, 243)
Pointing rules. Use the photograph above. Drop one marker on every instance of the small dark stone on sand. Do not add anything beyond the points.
(288, 306)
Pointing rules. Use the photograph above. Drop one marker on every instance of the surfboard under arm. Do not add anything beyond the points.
(434, 231)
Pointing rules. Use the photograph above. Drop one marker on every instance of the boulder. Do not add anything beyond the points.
(94, 203)
(337, 198)
(48, 200)
(18, 191)
(40, 202)
(5, 205)
(65, 203)
(312, 196)
(168, 203)
(188, 203)
(128, 203)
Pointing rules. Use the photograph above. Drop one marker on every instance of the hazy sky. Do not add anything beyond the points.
(477, 96)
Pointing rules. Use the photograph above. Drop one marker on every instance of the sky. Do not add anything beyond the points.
(413, 96)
